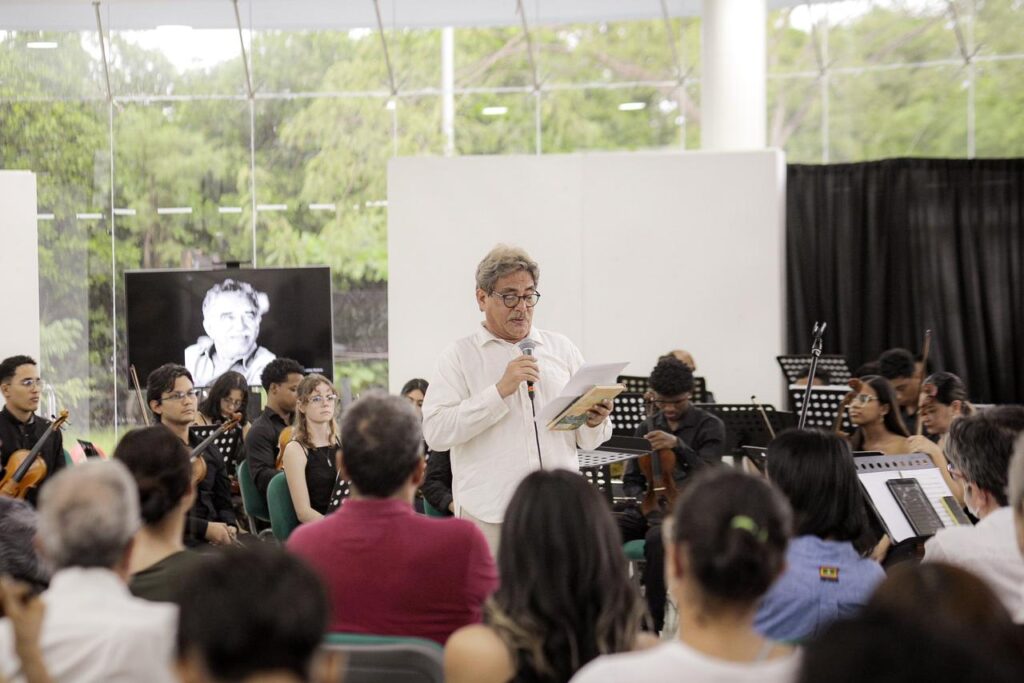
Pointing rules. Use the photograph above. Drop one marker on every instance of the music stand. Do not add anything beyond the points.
(629, 411)
(639, 385)
(835, 364)
(226, 444)
(745, 426)
(824, 405)
(595, 464)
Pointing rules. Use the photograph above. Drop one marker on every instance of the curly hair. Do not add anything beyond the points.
(671, 377)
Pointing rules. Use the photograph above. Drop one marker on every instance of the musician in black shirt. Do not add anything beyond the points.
(280, 380)
(696, 438)
(20, 427)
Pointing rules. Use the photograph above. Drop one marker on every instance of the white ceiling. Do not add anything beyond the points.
(77, 15)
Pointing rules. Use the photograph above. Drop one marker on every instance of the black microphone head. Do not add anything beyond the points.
(527, 346)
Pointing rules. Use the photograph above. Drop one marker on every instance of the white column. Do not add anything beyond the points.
(733, 82)
(19, 263)
(448, 89)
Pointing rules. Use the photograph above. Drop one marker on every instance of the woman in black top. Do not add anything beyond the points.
(227, 396)
(310, 459)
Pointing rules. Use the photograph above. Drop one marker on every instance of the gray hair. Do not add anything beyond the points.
(981, 445)
(18, 556)
(259, 300)
(501, 261)
(88, 515)
(381, 443)
(1017, 477)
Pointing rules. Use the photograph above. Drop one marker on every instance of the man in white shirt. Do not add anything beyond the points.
(979, 451)
(479, 401)
(94, 629)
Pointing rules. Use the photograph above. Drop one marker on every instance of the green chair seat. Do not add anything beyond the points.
(255, 505)
(283, 519)
(373, 639)
(634, 550)
(431, 511)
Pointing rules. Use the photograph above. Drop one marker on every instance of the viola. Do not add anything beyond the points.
(25, 469)
(282, 441)
(198, 462)
(658, 468)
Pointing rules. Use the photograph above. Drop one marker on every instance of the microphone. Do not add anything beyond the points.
(527, 346)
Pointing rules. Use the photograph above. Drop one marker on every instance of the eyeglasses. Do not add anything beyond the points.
(232, 402)
(662, 402)
(180, 395)
(864, 399)
(29, 383)
(319, 398)
(512, 300)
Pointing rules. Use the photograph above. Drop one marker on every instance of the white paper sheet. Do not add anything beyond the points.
(589, 375)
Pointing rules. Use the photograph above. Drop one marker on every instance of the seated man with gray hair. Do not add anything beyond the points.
(94, 630)
(18, 556)
(979, 451)
(389, 571)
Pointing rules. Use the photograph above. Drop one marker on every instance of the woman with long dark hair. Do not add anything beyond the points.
(228, 395)
(725, 547)
(826, 576)
(876, 414)
(943, 400)
(565, 596)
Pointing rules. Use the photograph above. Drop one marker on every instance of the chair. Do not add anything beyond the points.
(283, 519)
(634, 551)
(388, 658)
(431, 511)
(255, 505)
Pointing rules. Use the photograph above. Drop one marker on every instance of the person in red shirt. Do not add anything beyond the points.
(389, 571)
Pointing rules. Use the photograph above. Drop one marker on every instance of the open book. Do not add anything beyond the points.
(592, 383)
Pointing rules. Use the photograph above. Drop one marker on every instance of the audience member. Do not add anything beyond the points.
(899, 367)
(565, 597)
(728, 545)
(881, 647)
(947, 598)
(826, 577)
(875, 414)
(415, 390)
(1016, 499)
(438, 572)
(310, 459)
(19, 558)
(979, 449)
(173, 398)
(696, 439)
(24, 610)
(280, 380)
(159, 462)
(253, 614)
(94, 629)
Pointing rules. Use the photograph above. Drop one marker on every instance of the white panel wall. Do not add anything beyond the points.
(19, 264)
(639, 253)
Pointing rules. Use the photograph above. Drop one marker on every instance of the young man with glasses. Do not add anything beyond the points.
(696, 439)
(20, 427)
(174, 401)
(481, 400)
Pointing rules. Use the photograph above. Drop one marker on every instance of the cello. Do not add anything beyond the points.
(25, 469)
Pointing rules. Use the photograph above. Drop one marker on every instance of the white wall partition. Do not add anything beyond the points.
(19, 264)
(639, 253)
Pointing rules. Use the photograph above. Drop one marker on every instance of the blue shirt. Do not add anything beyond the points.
(823, 581)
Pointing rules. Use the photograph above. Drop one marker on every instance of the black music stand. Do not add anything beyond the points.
(629, 411)
(745, 426)
(825, 403)
(639, 385)
(835, 364)
(226, 444)
(596, 464)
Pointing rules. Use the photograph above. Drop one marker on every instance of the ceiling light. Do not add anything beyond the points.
(41, 45)
(494, 111)
(632, 106)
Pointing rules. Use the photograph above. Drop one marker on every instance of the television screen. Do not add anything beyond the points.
(212, 321)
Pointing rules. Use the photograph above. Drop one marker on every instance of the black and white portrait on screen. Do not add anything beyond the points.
(232, 313)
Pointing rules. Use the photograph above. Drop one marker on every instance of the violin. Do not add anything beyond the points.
(198, 462)
(283, 440)
(25, 469)
(661, 485)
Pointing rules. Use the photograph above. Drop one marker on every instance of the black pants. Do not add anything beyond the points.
(634, 526)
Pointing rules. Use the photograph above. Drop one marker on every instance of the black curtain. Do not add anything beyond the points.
(884, 250)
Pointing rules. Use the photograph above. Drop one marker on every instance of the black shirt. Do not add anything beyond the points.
(702, 440)
(321, 476)
(213, 496)
(437, 483)
(261, 448)
(17, 435)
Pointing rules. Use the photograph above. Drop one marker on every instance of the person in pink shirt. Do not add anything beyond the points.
(388, 570)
